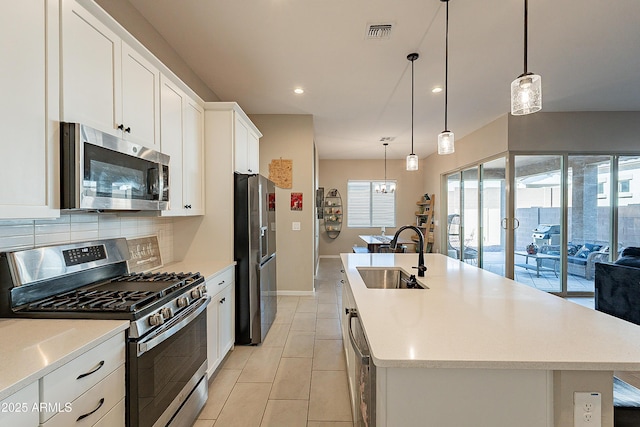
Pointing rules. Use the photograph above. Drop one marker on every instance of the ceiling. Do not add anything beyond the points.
(255, 52)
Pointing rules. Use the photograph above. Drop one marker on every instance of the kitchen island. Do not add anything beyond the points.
(479, 349)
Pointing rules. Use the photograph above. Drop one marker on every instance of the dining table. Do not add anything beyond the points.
(374, 242)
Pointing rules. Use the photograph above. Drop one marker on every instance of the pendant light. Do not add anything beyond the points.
(446, 138)
(526, 90)
(412, 159)
(383, 188)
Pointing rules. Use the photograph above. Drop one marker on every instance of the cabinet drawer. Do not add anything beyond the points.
(220, 281)
(91, 406)
(114, 418)
(68, 382)
(21, 408)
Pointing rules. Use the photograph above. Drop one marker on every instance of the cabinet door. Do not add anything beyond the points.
(91, 55)
(193, 160)
(213, 350)
(226, 320)
(29, 128)
(17, 409)
(140, 99)
(253, 153)
(241, 147)
(172, 101)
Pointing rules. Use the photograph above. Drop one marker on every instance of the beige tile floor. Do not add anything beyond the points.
(297, 377)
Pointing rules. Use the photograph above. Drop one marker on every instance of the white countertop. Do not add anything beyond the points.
(471, 318)
(31, 348)
(206, 268)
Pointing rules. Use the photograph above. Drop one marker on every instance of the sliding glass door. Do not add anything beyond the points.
(588, 219)
(628, 202)
(538, 209)
(569, 212)
(493, 201)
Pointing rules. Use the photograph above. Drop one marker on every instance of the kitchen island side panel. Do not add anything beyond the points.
(466, 397)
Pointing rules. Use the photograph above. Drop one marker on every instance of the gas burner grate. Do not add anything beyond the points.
(95, 300)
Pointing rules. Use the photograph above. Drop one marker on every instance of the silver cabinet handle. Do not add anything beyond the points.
(364, 359)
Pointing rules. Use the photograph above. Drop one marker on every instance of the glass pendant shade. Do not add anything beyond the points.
(526, 94)
(446, 141)
(412, 162)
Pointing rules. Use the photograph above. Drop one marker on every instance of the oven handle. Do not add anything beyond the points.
(178, 323)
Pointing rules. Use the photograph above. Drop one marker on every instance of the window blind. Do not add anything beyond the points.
(368, 208)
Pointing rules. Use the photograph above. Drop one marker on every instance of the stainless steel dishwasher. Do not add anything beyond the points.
(365, 372)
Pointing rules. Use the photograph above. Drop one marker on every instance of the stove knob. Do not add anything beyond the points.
(166, 312)
(203, 289)
(182, 302)
(196, 293)
(156, 319)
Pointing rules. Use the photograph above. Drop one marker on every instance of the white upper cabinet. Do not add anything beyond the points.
(105, 83)
(182, 130)
(253, 152)
(193, 158)
(233, 123)
(140, 99)
(29, 111)
(246, 149)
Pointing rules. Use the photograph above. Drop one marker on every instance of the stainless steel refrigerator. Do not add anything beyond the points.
(255, 255)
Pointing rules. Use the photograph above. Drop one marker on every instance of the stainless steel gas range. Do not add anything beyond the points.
(166, 341)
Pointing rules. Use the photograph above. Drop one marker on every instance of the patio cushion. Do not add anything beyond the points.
(630, 257)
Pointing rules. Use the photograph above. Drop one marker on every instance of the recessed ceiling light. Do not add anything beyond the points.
(298, 90)
(436, 89)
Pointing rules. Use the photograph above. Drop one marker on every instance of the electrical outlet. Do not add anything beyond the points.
(587, 409)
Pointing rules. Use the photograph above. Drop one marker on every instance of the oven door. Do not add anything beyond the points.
(166, 367)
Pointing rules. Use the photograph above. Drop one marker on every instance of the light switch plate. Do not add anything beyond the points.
(295, 226)
(587, 409)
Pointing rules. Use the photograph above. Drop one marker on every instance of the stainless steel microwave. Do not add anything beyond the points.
(99, 171)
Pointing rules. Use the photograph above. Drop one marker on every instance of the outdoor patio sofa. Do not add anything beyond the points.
(581, 258)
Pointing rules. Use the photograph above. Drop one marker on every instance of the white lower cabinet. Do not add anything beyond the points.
(348, 303)
(17, 410)
(220, 317)
(87, 388)
(94, 404)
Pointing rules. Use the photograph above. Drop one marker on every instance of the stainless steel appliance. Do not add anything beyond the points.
(255, 254)
(167, 339)
(546, 234)
(99, 171)
(365, 373)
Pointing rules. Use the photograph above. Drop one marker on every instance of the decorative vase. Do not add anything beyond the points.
(532, 249)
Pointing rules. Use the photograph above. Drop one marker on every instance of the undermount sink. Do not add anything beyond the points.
(387, 278)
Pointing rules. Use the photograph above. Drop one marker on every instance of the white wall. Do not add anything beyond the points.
(410, 188)
(291, 137)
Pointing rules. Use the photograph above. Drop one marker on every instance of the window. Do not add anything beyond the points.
(368, 208)
(624, 186)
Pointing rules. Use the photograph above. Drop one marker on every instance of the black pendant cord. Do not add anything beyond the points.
(526, 34)
(412, 60)
(446, 68)
(412, 57)
(385, 164)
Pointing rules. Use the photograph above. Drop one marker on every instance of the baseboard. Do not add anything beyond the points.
(329, 256)
(297, 293)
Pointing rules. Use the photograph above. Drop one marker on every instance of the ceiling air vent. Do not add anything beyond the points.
(378, 31)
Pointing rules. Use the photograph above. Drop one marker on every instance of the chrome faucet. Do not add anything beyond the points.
(394, 242)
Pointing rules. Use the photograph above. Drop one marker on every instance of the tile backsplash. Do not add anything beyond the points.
(77, 227)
